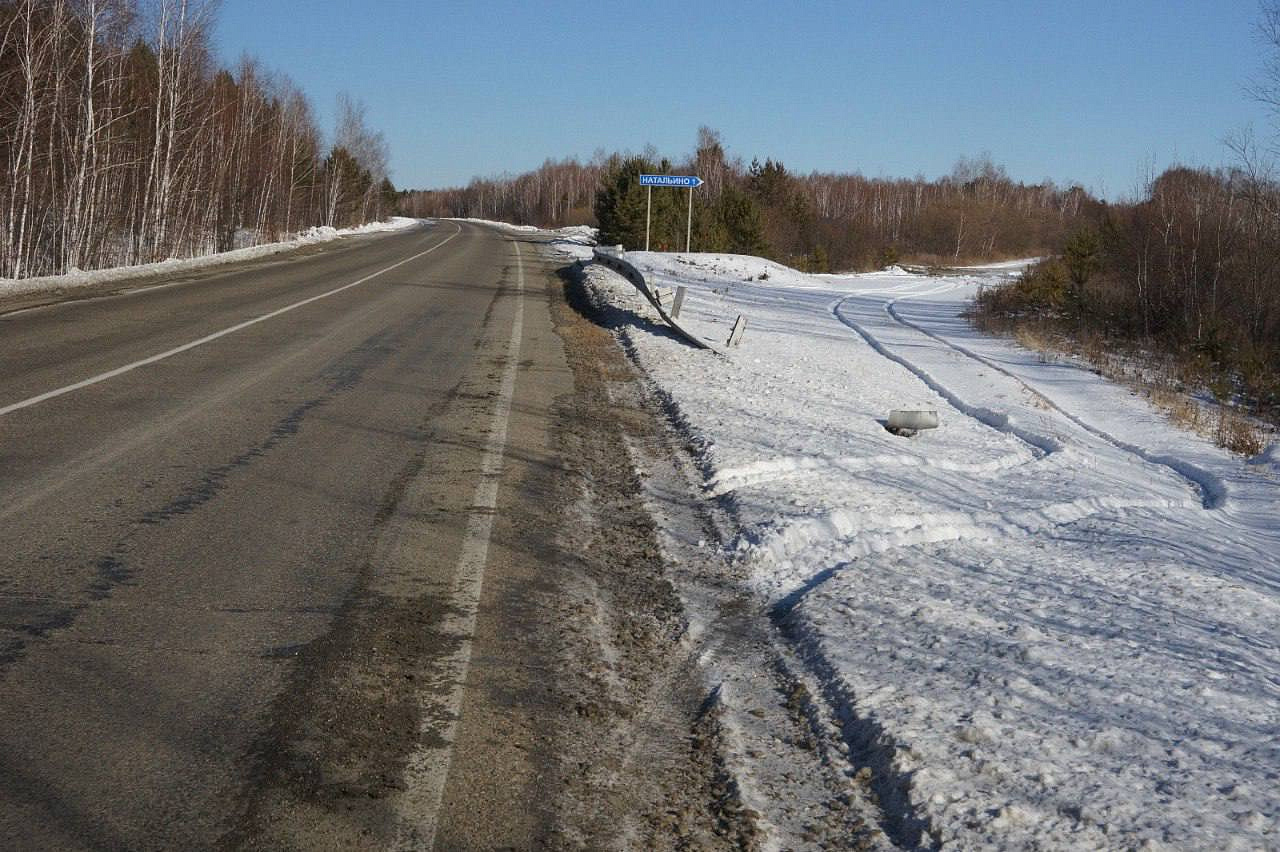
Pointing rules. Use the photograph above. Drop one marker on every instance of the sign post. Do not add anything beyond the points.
(689, 182)
(688, 223)
(647, 211)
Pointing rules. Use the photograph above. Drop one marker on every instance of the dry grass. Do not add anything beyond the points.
(1167, 383)
(1239, 433)
(1030, 337)
(1177, 405)
(1204, 388)
(1226, 426)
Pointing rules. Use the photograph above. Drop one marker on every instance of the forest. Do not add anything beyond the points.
(1180, 285)
(1188, 274)
(818, 221)
(122, 141)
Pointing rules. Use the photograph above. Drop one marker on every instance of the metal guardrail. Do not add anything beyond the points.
(613, 259)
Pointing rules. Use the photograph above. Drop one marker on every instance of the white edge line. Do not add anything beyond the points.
(433, 764)
(208, 338)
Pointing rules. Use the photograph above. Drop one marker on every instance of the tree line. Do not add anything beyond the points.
(1188, 272)
(123, 142)
(558, 193)
(822, 222)
(1190, 268)
(818, 221)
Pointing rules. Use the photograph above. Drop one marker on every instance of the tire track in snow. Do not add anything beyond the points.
(1212, 490)
(1041, 445)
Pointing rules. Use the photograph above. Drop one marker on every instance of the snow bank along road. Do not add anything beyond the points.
(1054, 622)
(29, 292)
(280, 557)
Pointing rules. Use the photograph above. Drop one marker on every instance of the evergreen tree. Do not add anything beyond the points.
(740, 219)
(620, 203)
(388, 196)
(1082, 255)
(669, 214)
(346, 184)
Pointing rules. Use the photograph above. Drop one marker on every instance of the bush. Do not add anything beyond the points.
(1041, 291)
(1238, 433)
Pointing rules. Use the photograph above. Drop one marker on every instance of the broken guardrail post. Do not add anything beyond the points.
(678, 303)
(739, 326)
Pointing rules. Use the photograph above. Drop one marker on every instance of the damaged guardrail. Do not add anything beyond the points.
(613, 259)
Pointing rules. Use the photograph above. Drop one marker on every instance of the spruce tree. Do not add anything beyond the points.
(744, 229)
(620, 204)
(1082, 255)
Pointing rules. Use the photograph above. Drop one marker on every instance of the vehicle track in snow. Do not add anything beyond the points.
(980, 640)
(1212, 490)
(1041, 445)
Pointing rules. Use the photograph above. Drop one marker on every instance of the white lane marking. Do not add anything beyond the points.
(208, 338)
(431, 764)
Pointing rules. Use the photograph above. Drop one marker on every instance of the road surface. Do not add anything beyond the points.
(247, 520)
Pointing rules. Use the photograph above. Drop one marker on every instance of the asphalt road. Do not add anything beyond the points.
(222, 500)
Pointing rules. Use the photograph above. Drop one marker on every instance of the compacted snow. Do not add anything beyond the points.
(1057, 615)
(98, 277)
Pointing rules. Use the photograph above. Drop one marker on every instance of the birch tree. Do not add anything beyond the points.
(121, 142)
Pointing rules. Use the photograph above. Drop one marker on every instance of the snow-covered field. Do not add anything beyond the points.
(1059, 613)
(98, 277)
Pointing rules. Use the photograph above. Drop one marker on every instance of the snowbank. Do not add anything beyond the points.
(1058, 614)
(98, 277)
(577, 236)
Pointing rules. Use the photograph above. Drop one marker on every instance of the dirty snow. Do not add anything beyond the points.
(1055, 619)
(97, 277)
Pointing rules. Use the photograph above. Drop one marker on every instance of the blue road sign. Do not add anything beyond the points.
(671, 180)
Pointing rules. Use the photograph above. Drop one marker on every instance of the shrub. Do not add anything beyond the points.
(1040, 291)
(1238, 433)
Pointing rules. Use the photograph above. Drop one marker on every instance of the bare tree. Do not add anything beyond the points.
(121, 142)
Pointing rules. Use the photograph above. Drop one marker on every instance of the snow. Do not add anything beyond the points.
(575, 237)
(92, 278)
(1268, 461)
(506, 226)
(1058, 613)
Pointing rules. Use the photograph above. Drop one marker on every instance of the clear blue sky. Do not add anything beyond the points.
(1085, 90)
